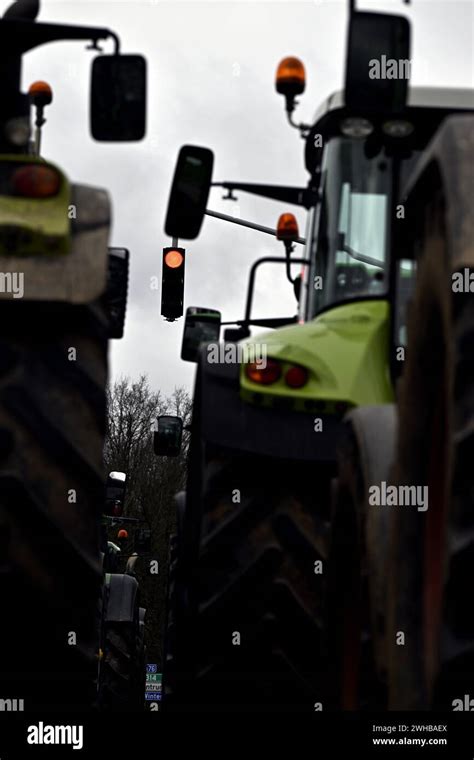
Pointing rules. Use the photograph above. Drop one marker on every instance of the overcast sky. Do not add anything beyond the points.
(211, 82)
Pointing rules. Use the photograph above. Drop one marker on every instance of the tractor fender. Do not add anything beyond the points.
(80, 275)
(228, 421)
(445, 165)
(375, 429)
(122, 595)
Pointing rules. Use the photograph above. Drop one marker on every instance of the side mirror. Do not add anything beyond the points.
(189, 192)
(234, 334)
(201, 326)
(115, 493)
(168, 436)
(118, 98)
(117, 287)
(377, 62)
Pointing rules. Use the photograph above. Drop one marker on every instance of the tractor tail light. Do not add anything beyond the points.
(35, 181)
(296, 377)
(264, 375)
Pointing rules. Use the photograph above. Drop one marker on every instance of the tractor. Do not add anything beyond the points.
(121, 676)
(54, 244)
(289, 590)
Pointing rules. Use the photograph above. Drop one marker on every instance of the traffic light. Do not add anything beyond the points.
(172, 283)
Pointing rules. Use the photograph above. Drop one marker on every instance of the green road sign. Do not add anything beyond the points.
(153, 677)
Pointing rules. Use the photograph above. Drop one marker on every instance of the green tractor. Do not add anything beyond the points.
(277, 603)
(61, 299)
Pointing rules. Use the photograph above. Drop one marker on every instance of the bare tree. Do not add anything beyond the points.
(152, 481)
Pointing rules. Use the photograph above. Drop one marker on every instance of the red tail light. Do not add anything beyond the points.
(35, 181)
(296, 377)
(264, 375)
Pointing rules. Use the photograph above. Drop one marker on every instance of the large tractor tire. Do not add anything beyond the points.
(52, 423)
(53, 372)
(357, 563)
(122, 680)
(432, 551)
(247, 590)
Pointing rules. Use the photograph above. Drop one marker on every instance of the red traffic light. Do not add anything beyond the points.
(172, 285)
(174, 258)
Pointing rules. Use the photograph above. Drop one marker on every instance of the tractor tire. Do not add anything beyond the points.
(247, 594)
(432, 551)
(52, 427)
(121, 687)
(356, 587)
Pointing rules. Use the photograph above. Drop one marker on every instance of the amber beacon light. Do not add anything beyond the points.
(290, 80)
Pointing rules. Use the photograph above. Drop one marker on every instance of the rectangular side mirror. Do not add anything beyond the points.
(118, 98)
(377, 62)
(189, 192)
(168, 436)
(201, 326)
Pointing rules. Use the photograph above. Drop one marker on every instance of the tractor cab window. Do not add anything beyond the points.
(349, 256)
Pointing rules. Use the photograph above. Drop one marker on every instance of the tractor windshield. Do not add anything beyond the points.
(350, 243)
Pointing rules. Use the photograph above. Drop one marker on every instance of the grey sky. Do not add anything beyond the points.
(211, 72)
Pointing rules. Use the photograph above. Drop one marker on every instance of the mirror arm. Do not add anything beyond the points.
(298, 196)
(17, 36)
(245, 223)
(269, 322)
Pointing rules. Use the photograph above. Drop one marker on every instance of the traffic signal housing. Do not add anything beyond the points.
(172, 283)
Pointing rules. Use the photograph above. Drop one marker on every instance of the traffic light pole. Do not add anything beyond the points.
(245, 223)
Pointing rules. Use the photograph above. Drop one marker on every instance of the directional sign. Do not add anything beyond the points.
(153, 696)
(153, 677)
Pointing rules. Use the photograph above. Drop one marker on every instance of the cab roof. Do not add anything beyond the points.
(418, 97)
(428, 105)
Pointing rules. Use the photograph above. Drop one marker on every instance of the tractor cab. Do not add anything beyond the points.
(353, 240)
